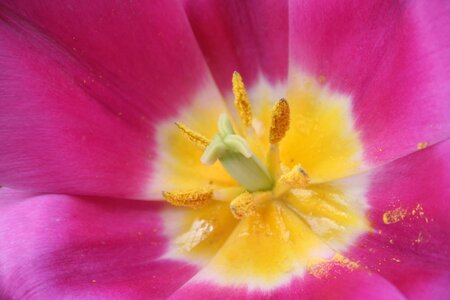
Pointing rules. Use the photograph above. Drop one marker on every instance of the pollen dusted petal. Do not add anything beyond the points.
(280, 121)
(241, 100)
(189, 198)
(265, 250)
(322, 137)
(195, 137)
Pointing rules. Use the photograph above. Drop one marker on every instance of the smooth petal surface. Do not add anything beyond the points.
(410, 243)
(250, 37)
(56, 246)
(390, 57)
(82, 86)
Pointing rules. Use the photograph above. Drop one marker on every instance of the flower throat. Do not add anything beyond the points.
(259, 182)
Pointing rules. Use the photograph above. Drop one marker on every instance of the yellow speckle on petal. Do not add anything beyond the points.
(422, 145)
(322, 79)
(394, 216)
(345, 262)
(196, 138)
(396, 259)
(241, 100)
(190, 198)
(280, 121)
(323, 269)
(419, 239)
(418, 211)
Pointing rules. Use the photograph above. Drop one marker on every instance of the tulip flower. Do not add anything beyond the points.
(224, 149)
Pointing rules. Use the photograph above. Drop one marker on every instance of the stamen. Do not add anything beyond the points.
(246, 204)
(189, 198)
(280, 121)
(241, 100)
(195, 137)
(273, 160)
(243, 206)
(296, 178)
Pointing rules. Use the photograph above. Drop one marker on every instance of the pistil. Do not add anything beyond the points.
(237, 158)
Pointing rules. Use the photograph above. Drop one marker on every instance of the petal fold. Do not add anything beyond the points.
(83, 86)
(250, 37)
(56, 246)
(390, 57)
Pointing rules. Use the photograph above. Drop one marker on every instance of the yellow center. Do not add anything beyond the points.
(261, 238)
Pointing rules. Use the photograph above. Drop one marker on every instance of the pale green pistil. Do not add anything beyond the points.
(237, 158)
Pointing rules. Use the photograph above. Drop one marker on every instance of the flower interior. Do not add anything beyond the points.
(254, 185)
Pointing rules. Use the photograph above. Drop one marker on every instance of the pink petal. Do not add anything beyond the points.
(83, 85)
(391, 57)
(250, 37)
(56, 246)
(410, 245)
(341, 285)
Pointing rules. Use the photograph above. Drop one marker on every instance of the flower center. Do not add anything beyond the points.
(259, 183)
(256, 195)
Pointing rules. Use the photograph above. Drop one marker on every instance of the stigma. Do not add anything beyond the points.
(260, 180)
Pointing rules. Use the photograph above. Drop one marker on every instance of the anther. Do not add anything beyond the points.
(296, 178)
(189, 198)
(241, 100)
(246, 204)
(243, 206)
(280, 121)
(195, 137)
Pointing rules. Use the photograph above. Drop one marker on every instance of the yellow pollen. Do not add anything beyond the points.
(422, 145)
(296, 178)
(195, 137)
(243, 206)
(189, 198)
(241, 100)
(394, 216)
(280, 121)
